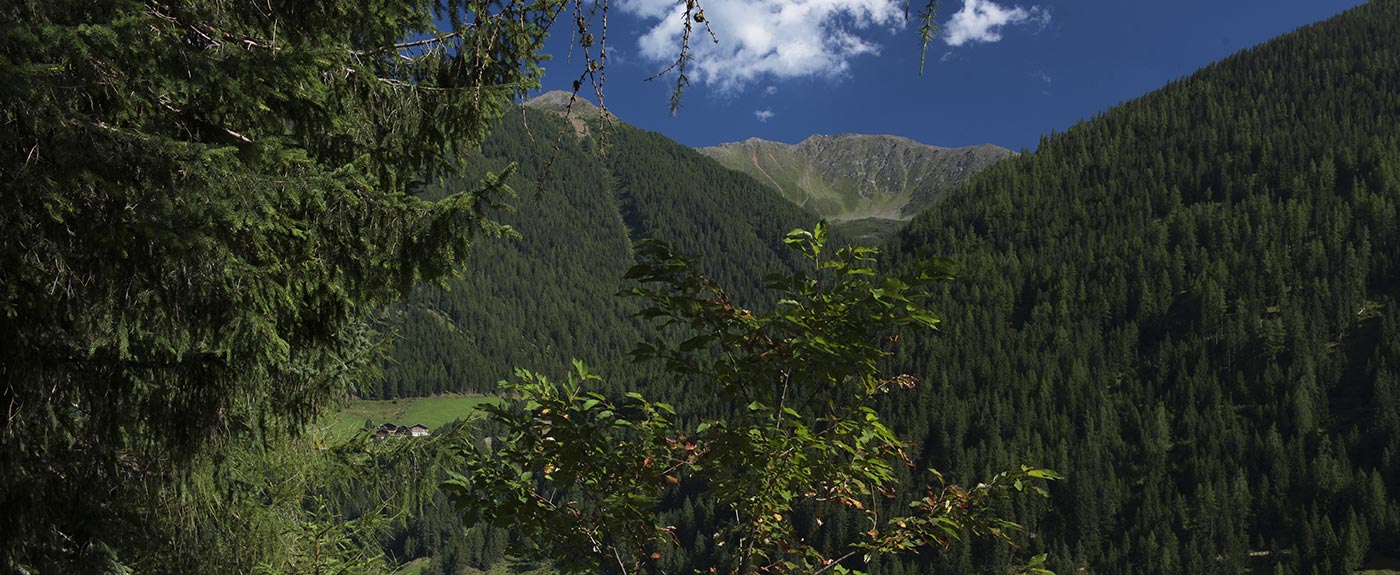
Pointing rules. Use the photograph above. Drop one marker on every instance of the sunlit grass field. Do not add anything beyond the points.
(430, 411)
(507, 567)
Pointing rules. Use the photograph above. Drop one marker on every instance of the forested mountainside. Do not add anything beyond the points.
(1190, 305)
(869, 185)
(549, 296)
(1187, 305)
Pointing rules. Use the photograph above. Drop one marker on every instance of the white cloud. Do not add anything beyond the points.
(763, 115)
(766, 39)
(983, 20)
(1043, 77)
(770, 90)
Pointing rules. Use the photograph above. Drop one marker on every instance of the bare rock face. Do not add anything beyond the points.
(853, 177)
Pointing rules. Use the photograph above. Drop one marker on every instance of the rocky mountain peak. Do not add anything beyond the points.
(851, 177)
(558, 101)
(575, 107)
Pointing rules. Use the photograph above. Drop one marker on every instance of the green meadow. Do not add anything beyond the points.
(507, 567)
(430, 411)
(416, 567)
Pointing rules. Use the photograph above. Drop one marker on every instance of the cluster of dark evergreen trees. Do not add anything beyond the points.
(1188, 305)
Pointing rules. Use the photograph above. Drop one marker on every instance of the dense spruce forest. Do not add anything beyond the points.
(1187, 304)
(1190, 304)
(550, 295)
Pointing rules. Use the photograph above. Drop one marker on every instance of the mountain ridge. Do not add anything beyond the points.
(872, 182)
(869, 185)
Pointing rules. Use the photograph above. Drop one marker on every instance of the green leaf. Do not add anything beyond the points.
(797, 237)
(924, 317)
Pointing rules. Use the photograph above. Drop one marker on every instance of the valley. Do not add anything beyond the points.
(868, 185)
(239, 242)
(433, 412)
(1191, 297)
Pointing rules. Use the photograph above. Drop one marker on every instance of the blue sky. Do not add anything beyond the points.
(1000, 72)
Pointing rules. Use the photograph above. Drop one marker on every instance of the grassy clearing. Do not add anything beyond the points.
(430, 411)
(414, 567)
(512, 567)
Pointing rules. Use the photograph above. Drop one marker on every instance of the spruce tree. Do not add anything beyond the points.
(203, 204)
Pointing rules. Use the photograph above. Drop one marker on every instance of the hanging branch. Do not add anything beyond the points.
(692, 15)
